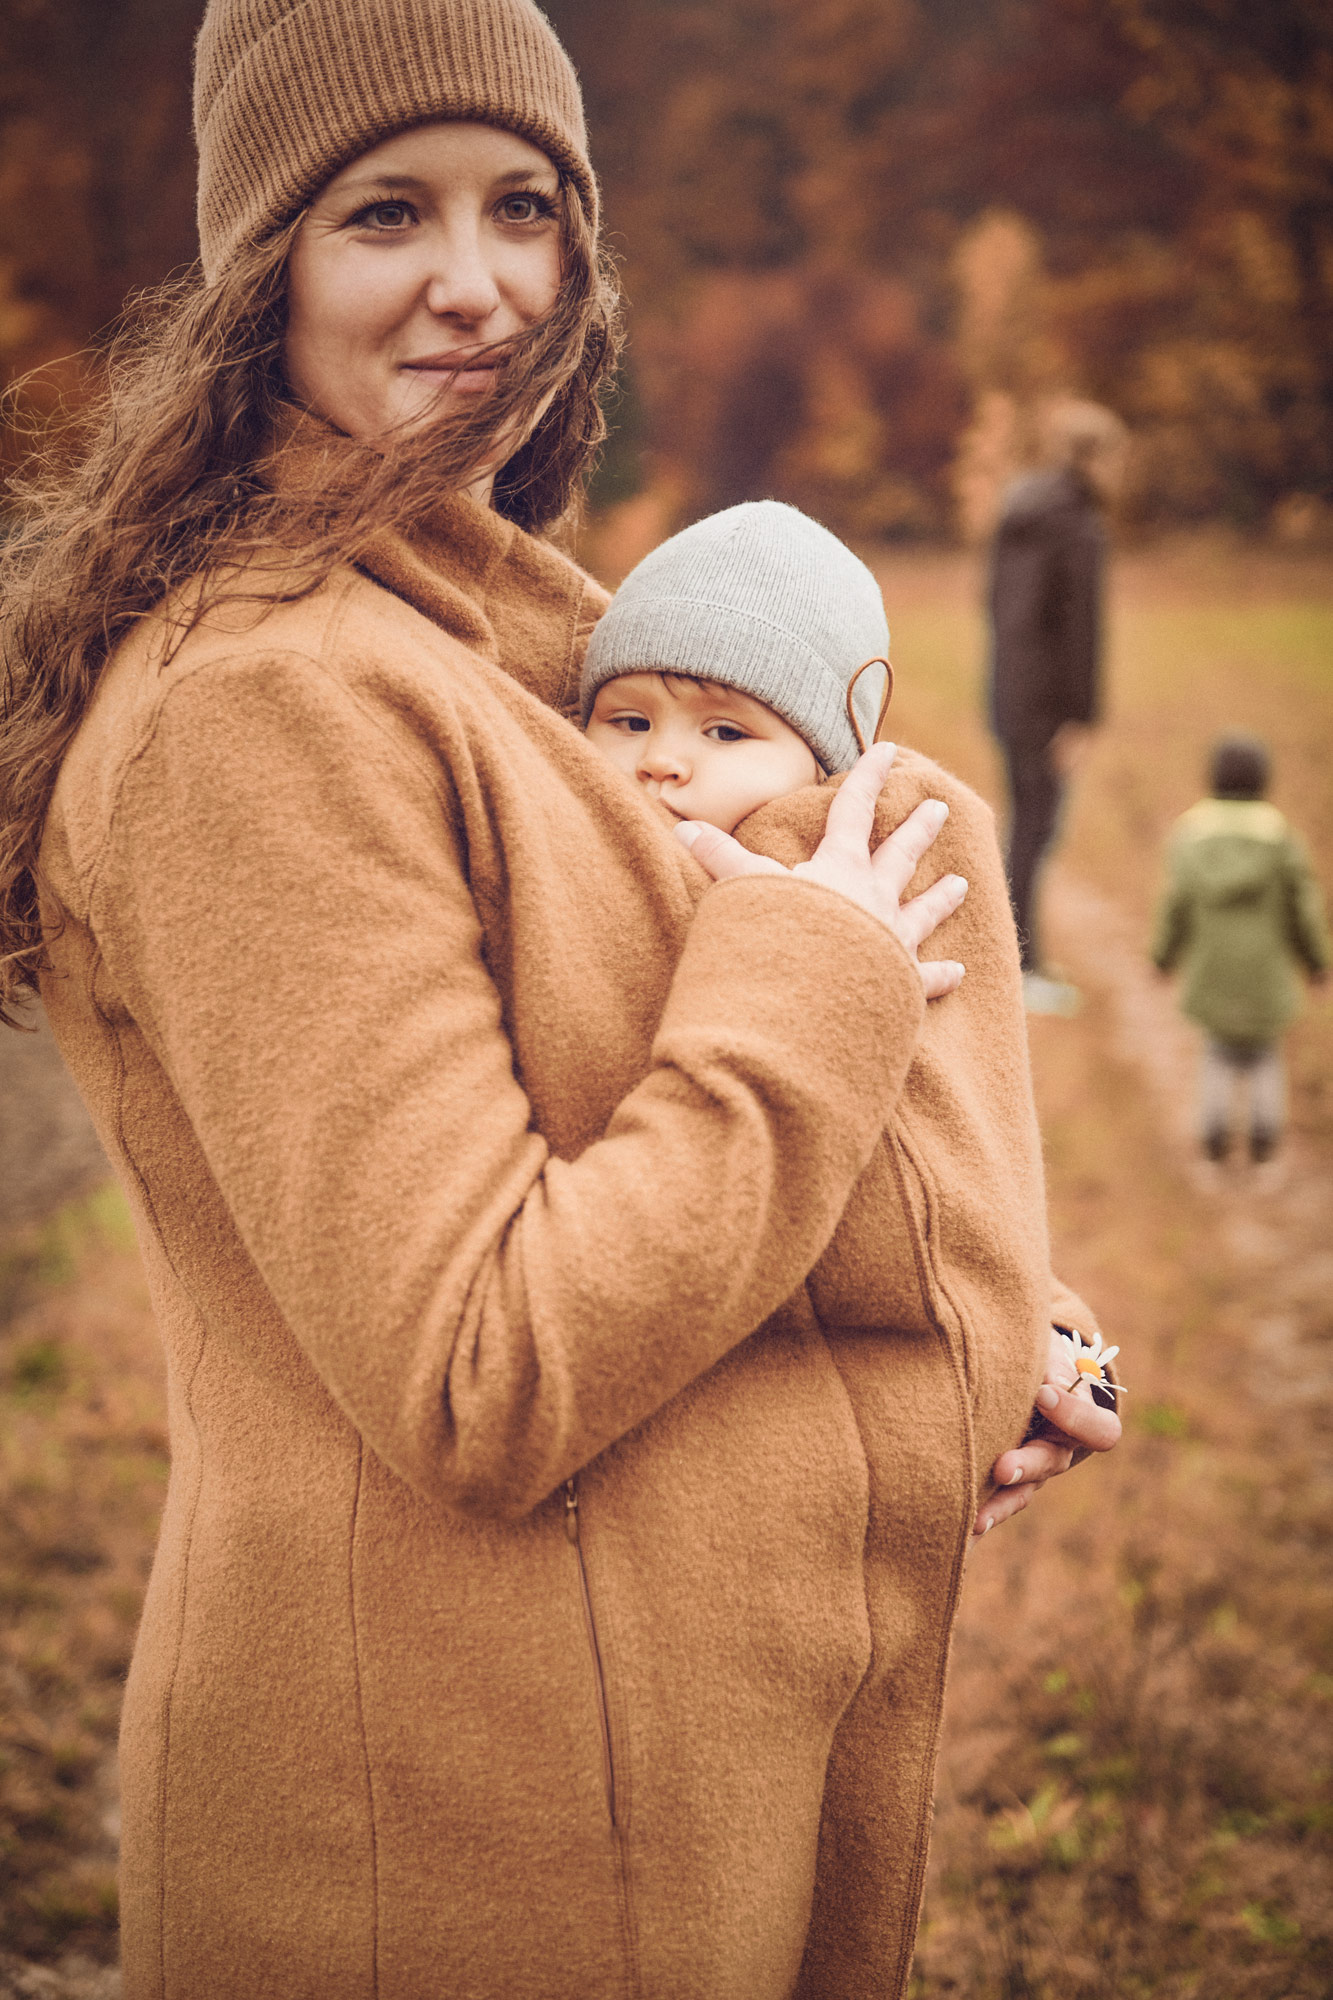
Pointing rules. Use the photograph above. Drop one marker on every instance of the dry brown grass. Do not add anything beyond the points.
(1134, 1794)
(82, 1473)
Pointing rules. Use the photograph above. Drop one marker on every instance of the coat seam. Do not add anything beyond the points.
(929, 1275)
(361, 1719)
(849, 1403)
(616, 1700)
(928, 1280)
(567, 700)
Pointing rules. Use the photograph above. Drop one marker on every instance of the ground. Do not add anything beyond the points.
(1134, 1787)
(48, 1149)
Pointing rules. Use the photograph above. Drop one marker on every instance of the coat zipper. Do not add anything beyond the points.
(603, 1712)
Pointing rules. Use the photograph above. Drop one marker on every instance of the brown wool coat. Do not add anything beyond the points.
(553, 1590)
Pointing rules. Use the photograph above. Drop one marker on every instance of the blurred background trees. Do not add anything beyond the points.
(865, 241)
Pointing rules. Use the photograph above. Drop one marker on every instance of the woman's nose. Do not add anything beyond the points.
(462, 285)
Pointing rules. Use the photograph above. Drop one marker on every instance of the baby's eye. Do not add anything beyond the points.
(726, 732)
(637, 724)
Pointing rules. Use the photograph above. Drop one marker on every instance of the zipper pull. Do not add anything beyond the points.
(572, 1511)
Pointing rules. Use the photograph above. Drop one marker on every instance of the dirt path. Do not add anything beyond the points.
(1271, 1222)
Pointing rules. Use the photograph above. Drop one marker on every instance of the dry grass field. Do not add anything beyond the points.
(1135, 1790)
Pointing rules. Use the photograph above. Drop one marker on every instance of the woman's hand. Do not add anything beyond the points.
(843, 861)
(1070, 1425)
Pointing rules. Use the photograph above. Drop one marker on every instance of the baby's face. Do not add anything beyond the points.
(707, 752)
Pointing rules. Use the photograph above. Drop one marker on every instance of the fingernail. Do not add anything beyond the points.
(1015, 1477)
(1047, 1398)
(688, 830)
(988, 1524)
(941, 810)
(959, 883)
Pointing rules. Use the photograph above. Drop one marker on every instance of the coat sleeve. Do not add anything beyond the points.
(285, 912)
(1307, 922)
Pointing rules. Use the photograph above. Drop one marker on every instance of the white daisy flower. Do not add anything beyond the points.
(1089, 1358)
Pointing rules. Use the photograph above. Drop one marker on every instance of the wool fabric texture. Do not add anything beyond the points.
(287, 92)
(495, 1172)
(761, 598)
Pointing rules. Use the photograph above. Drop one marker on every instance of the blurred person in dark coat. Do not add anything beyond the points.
(1048, 562)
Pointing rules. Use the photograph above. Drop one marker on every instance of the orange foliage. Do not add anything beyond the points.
(796, 187)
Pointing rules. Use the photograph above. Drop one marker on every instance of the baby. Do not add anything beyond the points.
(741, 661)
(740, 670)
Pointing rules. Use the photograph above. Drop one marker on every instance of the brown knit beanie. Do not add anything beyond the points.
(286, 92)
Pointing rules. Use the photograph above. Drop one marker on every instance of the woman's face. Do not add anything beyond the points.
(440, 242)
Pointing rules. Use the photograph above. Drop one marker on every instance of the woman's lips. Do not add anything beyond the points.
(456, 370)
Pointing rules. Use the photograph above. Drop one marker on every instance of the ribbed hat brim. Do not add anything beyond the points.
(718, 642)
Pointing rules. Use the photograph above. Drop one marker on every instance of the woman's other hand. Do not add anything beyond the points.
(843, 861)
(1071, 1425)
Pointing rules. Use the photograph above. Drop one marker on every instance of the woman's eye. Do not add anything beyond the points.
(529, 207)
(384, 215)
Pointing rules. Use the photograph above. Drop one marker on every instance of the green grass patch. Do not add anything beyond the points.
(1163, 1420)
(50, 1256)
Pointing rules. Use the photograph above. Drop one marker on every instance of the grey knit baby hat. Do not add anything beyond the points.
(760, 598)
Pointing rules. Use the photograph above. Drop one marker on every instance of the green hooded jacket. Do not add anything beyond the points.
(1241, 912)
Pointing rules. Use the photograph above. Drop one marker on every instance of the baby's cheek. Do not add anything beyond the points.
(612, 744)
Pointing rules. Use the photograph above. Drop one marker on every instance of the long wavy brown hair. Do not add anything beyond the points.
(165, 475)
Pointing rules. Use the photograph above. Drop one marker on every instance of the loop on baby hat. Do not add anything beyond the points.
(885, 699)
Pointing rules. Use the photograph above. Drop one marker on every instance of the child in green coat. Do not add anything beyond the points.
(1241, 914)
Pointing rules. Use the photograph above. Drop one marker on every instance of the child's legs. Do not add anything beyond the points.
(1217, 1087)
(1256, 1072)
(1268, 1094)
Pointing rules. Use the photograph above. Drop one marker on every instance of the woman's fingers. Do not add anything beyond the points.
(843, 861)
(1074, 1425)
(926, 912)
(940, 976)
(1078, 1418)
(897, 858)
(722, 856)
(1032, 1463)
(1001, 1507)
(1018, 1475)
(851, 816)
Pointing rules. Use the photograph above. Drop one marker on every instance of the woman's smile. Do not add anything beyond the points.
(458, 370)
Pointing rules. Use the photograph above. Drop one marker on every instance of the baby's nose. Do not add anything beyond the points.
(660, 763)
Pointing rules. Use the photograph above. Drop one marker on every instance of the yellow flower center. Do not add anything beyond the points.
(1087, 1366)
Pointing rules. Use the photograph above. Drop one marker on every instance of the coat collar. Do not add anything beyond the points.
(501, 592)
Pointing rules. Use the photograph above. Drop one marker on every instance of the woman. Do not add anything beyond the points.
(510, 1605)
